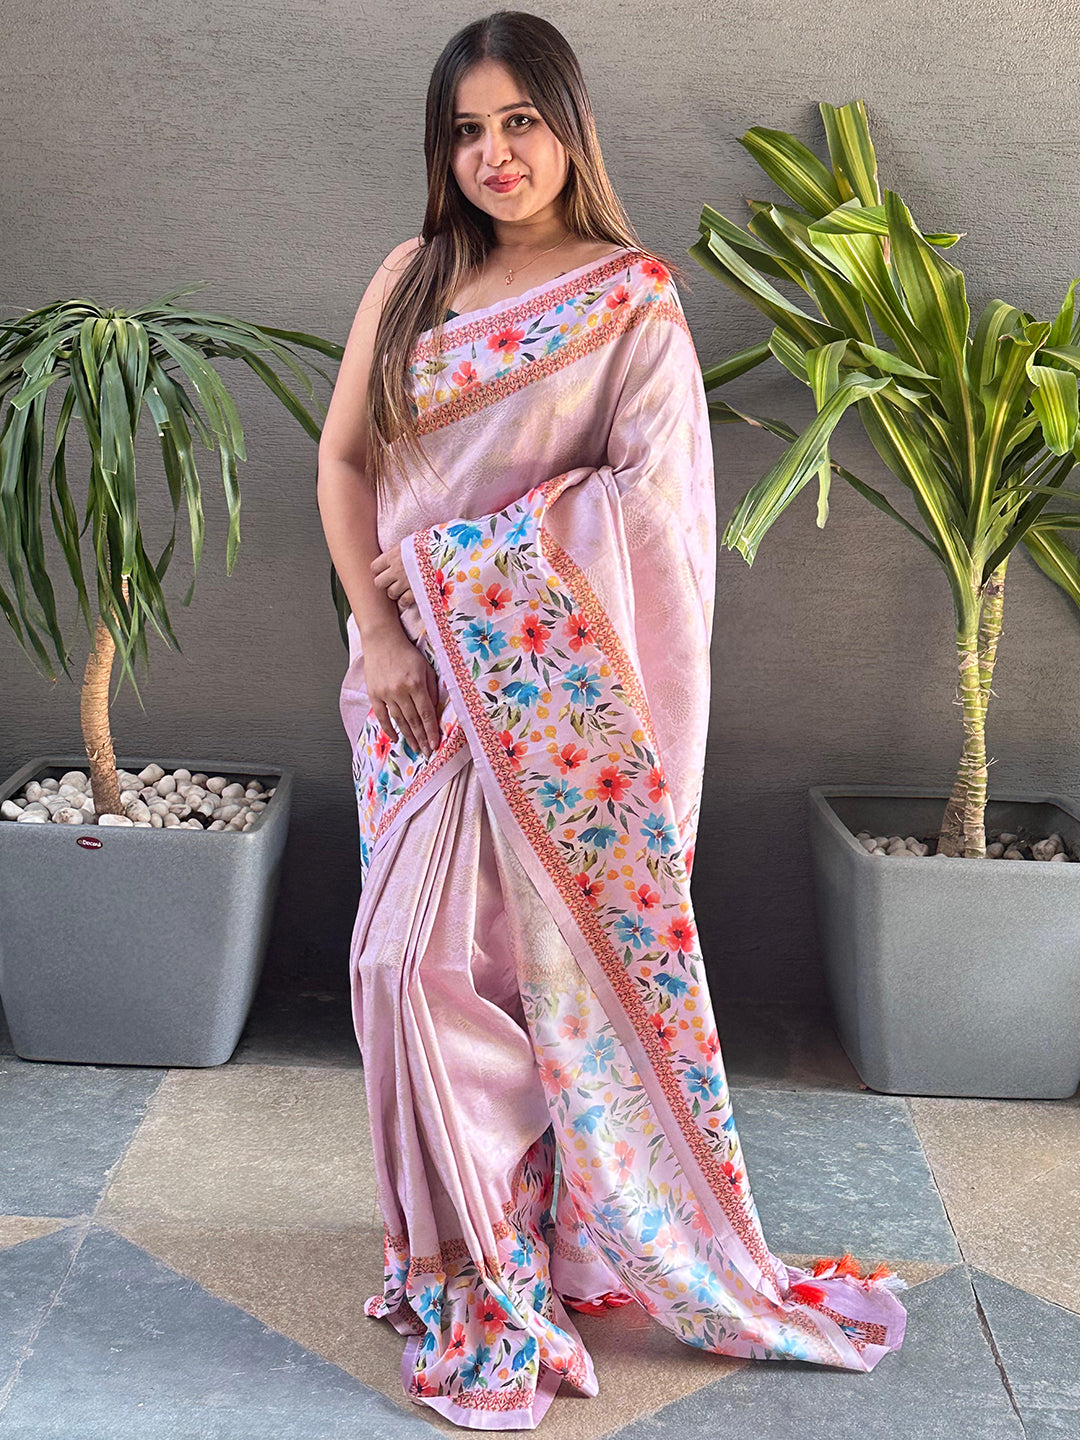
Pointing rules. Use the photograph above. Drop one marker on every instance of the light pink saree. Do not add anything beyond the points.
(547, 1096)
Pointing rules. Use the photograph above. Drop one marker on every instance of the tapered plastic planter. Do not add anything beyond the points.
(128, 946)
(950, 976)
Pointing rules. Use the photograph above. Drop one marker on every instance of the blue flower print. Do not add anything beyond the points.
(482, 638)
(659, 835)
(599, 1054)
(609, 1216)
(704, 1082)
(525, 1355)
(704, 1283)
(602, 836)
(465, 533)
(539, 1295)
(382, 786)
(473, 1368)
(525, 692)
(632, 930)
(584, 688)
(557, 795)
(520, 528)
(673, 984)
(589, 1119)
(651, 1221)
(430, 1304)
(523, 1251)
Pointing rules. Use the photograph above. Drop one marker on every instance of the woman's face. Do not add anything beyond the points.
(498, 132)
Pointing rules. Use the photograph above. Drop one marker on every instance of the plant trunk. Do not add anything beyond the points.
(94, 713)
(962, 828)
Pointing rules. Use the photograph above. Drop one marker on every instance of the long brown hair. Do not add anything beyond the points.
(456, 235)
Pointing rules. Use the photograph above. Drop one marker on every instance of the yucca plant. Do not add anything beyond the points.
(111, 363)
(981, 429)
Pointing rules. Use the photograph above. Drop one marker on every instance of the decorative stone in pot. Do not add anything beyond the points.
(951, 976)
(127, 942)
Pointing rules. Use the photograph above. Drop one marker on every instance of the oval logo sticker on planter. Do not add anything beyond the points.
(88, 842)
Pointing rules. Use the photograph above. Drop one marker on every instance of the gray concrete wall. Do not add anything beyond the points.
(276, 151)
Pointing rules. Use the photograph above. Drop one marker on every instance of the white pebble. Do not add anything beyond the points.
(34, 791)
(143, 824)
(51, 785)
(1012, 853)
(181, 775)
(33, 817)
(216, 783)
(199, 779)
(191, 824)
(1059, 856)
(156, 821)
(138, 811)
(170, 821)
(867, 842)
(126, 796)
(270, 791)
(165, 786)
(75, 777)
(152, 774)
(53, 803)
(257, 805)
(233, 792)
(1006, 837)
(229, 812)
(205, 807)
(10, 810)
(68, 816)
(216, 825)
(109, 819)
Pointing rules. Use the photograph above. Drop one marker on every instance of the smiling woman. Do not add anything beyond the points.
(519, 502)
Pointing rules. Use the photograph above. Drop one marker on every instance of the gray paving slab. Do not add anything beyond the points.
(832, 1171)
(62, 1127)
(942, 1384)
(1039, 1346)
(132, 1349)
(30, 1276)
(303, 1027)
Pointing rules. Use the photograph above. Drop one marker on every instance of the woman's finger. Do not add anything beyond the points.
(417, 736)
(401, 723)
(397, 587)
(383, 717)
(426, 711)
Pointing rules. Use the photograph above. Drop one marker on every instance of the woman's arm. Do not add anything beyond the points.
(402, 685)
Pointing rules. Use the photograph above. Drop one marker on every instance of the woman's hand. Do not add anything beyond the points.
(389, 575)
(403, 688)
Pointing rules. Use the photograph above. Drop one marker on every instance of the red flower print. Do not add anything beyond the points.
(645, 899)
(569, 758)
(732, 1174)
(665, 1031)
(534, 635)
(490, 1315)
(657, 783)
(625, 1157)
(466, 376)
(660, 273)
(506, 340)
(613, 783)
(572, 1028)
(710, 1046)
(382, 744)
(578, 631)
(419, 1385)
(679, 935)
(590, 888)
(554, 1077)
(511, 748)
(689, 860)
(444, 587)
(457, 1340)
(619, 297)
(700, 1221)
(495, 598)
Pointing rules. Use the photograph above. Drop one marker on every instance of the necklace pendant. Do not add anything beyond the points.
(509, 277)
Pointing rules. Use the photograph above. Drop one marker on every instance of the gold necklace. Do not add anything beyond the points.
(510, 272)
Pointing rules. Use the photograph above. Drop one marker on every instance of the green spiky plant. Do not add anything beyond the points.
(111, 363)
(981, 429)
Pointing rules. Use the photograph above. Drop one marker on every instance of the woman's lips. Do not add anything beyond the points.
(502, 187)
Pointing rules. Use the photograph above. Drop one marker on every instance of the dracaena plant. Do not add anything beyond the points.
(980, 428)
(106, 364)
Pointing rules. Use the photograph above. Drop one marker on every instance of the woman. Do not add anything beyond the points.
(516, 485)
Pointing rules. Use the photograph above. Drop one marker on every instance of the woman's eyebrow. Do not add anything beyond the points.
(517, 105)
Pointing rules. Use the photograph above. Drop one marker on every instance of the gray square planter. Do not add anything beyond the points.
(949, 977)
(145, 949)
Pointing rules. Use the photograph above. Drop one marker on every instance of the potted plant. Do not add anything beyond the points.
(945, 979)
(134, 907)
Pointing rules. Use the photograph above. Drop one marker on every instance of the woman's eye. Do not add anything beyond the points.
(462, 130)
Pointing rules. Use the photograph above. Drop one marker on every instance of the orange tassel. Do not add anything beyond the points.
(881, 1273)
(848, 1265)
(807, 1293)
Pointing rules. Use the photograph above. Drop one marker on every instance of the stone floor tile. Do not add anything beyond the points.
(253, 1145)
(134, 1349)
(783, 1045)
(62, 1128)
(1039, 1346)
(942, 1384)
(30, 1276)
(14, 1229)
(833, 1172)
(1009, 1174)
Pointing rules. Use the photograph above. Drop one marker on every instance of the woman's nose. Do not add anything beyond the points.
(496, 149)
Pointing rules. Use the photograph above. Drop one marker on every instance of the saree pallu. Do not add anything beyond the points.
(547, 1096)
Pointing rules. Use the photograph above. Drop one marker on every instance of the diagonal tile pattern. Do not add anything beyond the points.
(185, 1254)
